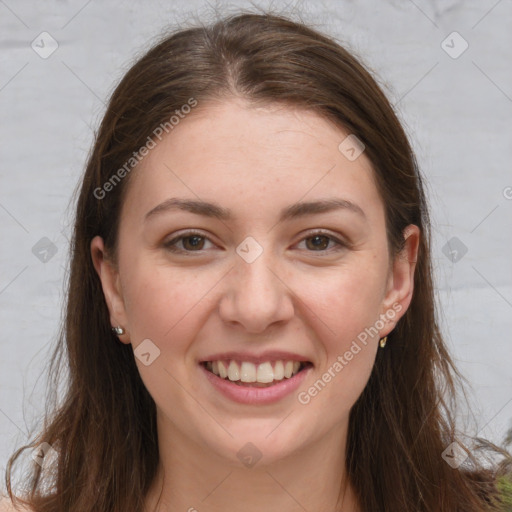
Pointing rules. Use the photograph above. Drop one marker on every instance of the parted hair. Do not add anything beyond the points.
(103, 429)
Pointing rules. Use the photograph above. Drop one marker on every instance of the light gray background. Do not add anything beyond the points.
(456, 110)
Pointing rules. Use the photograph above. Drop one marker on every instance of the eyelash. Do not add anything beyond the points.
(189, 234)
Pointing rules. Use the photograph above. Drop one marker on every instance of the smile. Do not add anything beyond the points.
(245, 372)
(251, 383)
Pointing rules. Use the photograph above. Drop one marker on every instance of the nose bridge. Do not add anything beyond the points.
(256, 296)
(257, 277)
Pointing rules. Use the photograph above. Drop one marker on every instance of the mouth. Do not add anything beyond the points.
(261, 375)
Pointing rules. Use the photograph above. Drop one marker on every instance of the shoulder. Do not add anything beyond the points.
(6, 505)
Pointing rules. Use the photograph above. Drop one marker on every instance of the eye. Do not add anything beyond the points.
(192, 241)
(319, 241)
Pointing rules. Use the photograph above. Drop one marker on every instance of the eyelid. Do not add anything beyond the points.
(340, 244)
(185, 234)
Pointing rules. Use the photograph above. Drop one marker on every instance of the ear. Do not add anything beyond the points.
(400, 285)
(110, 282)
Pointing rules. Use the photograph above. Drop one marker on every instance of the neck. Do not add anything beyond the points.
(191, 478)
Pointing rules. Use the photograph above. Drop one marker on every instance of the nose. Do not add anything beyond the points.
(256, 296)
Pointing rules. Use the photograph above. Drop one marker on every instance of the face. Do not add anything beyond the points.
(262, 276)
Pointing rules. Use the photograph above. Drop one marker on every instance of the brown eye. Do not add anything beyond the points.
(187, 243)
(193, 242)
(318, 242)
(322, 243)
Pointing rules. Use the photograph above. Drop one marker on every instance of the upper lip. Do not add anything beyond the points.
(271, 355)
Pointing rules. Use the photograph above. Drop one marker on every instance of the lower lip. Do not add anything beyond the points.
(255, 395)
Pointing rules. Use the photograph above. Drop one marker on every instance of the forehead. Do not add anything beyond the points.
(234, 152)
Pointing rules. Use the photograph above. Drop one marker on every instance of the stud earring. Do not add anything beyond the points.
(118, 330)
(383, 341)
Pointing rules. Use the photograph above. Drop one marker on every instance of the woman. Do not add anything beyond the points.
(251, 320)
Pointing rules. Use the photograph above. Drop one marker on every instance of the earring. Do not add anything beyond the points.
(383, 341)
(118, 330)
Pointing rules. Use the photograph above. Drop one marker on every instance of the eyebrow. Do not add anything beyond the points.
(293, 211)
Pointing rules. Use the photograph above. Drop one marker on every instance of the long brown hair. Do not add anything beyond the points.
(104, 430)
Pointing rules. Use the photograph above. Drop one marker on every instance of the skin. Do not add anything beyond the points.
(294, 297)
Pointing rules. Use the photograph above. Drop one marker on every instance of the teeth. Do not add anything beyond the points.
(279, 370)
(223, 372)
(265, 373)
(233, 371)
(249, 372)
(288, 369)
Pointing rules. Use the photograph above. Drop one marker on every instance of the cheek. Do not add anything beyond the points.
(159, 300)
(344, 369)
(346, 300)
(165, 306)
(343, 310)
(340, 386)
